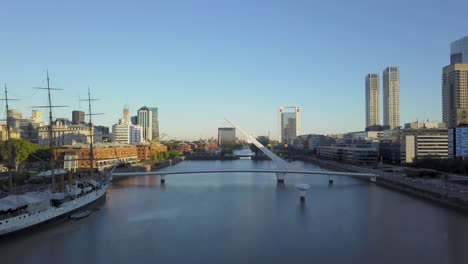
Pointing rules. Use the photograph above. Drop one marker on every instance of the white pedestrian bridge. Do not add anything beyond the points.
(282, 167)
(280, 173)
(315, 172)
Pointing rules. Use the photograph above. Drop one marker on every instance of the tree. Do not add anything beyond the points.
(42, 154)
(154, 156)
(174, 153)
(20, 150)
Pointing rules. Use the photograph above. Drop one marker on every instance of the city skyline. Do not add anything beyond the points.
(292, 66)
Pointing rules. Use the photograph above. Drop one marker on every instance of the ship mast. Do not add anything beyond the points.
(10, 151)
(91, 133)
(51, 135)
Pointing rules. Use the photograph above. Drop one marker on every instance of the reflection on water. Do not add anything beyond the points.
(247, 218)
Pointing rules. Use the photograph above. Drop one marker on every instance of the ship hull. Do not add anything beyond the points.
(53, 215)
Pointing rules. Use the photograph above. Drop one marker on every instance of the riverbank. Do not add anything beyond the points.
(436, 190)
(146, 167)
(201, 158)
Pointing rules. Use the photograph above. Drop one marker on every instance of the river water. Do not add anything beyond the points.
(248, 218)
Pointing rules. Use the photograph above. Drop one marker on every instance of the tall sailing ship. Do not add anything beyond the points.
(21, 211)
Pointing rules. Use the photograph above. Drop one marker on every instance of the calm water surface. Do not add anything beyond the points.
(248, 218)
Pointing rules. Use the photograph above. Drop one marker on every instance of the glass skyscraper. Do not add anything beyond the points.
(289, 123)
(148, 119)
(459, 51)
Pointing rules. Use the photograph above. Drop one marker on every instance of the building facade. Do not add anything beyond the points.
(14, 133)
(389, 146)
(134, 120)
(127, 133)
(459, 51)
(126, 115)
(154, 124)
(289, 123)
(148, 119)
(78, 117)
(423, 143)
(391, 97)
(77, 157)
(36, 116)
(64, 134)
(226, 136)
(455, 95)
(372, 100)
(458, 142)
(350, 154)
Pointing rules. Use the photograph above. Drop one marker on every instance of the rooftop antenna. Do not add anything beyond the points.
(91, 134)
(51, 127)
(10, 158)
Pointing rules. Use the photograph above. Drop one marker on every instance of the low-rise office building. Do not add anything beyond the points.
(389, 146)
(423, 143)
(351, 154)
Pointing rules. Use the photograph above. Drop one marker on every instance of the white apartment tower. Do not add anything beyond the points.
(372, 100)
(391, 97)
(289, 123)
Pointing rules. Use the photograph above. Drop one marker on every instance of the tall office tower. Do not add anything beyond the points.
(78, 117)
(36, 116)
(155, 123)
(134, 120)
(226, 136)
(144, 120)
(391, 97)
(459, 51)
(372, 100)
(455, 95)
(455, 98)
(289, 123)
(126, 115)
(148, 119)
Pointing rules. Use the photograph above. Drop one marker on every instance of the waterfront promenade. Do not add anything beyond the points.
(442, 191)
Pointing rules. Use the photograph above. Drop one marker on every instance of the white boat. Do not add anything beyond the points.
(80, 214)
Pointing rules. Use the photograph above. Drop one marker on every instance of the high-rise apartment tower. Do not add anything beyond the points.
(372, 100)
(391, 97)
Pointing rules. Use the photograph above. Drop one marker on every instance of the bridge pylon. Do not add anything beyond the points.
(280, 177)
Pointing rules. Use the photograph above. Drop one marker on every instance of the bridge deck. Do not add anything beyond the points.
(169, 172)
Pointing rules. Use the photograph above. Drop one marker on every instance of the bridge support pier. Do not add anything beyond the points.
(280, 177)
(302, 198)
(163, 179)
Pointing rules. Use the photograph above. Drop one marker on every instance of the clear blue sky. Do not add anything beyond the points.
(199, 61)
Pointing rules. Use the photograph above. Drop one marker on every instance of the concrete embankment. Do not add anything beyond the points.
(195, 157)
(442, 193)
(150, 166)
